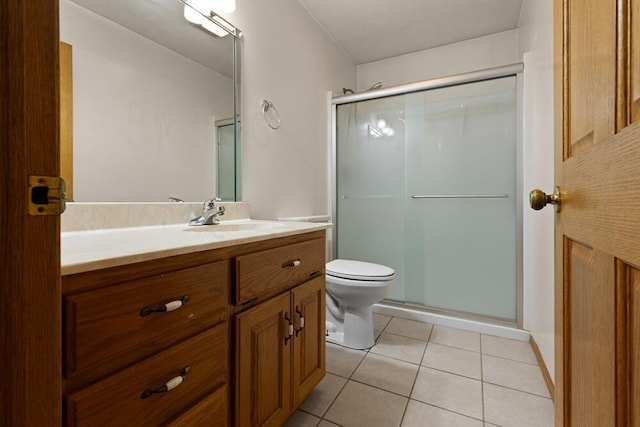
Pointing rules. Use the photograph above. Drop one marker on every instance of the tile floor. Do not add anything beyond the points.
(419, 374)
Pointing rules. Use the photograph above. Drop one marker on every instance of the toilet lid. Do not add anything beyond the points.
(358, 270)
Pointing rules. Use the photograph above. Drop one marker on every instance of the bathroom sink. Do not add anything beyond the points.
(224, 227)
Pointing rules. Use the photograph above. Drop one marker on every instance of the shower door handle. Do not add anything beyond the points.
(538, 199)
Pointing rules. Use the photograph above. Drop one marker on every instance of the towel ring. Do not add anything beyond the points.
(266, 106)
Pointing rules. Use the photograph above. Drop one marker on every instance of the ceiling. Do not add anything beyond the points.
(370, 30)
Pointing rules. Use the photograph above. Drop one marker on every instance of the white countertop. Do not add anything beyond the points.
(92, 250)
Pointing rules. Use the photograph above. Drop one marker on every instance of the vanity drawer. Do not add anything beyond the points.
(277, 269)
(117, 400)
(212, 411)
(106, 328)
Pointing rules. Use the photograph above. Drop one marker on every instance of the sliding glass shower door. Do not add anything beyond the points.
(426, 184)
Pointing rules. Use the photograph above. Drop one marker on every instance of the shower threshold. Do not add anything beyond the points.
(469, 322)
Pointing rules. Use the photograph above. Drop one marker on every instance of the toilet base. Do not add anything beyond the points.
(355, 331)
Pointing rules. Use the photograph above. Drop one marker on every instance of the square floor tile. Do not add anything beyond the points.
(455, 338)
(507, 407)
(323, 394)
(419, 414)
(325, 423)
(453, 359)
(403, 348)
(449, 391)
(409, 328)
(508, 349)
(387, 373)
(513, 374)
(343, 361)
(302, 419)
(362, 405)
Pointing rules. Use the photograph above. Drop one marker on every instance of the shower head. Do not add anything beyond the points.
(375, 86)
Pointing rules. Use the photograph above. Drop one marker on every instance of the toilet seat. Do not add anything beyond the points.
(359, 270)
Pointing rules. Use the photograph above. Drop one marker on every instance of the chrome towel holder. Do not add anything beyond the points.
(275, 117)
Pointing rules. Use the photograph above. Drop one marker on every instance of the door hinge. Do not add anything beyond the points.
(47, 195)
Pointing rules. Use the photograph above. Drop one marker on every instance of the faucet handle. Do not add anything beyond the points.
(208, 204)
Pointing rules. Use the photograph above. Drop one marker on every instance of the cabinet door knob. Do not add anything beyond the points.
(170, 306)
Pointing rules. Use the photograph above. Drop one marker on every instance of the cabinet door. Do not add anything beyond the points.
(308, 309)
(263, 364)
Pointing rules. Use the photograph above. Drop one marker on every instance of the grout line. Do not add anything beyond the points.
(447, 409)
(484, 415)
(511, 360)
(404, 413)
(453, 346)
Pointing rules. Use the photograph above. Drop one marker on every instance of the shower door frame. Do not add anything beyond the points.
(513, 70)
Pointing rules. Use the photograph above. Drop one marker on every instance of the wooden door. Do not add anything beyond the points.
(309, 338)
(30, 314)
(263, 364)
(597, 244)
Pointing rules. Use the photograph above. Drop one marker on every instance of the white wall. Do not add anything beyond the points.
(470, 55)
(535, 45)
(290, 61)
(143, 114)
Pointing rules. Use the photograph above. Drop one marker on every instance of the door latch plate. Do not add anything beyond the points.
(47, 195)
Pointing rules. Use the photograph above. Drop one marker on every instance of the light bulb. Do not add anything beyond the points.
(382, 123)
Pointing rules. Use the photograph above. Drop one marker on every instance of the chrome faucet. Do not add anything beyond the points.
(210, 213)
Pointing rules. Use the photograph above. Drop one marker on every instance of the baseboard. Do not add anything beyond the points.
(543, 366)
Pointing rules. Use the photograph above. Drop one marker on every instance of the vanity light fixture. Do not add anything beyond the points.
(197, 11)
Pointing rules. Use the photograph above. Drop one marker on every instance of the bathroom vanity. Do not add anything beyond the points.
(192, 326)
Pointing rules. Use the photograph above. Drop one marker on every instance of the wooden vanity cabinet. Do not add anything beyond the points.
(247, 322)
(280, 343)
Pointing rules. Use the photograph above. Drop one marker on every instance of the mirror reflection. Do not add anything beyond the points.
(153, 100)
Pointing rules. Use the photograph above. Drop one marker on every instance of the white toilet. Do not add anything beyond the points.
(352, 289)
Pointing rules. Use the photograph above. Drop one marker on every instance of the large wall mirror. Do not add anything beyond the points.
(155, 111)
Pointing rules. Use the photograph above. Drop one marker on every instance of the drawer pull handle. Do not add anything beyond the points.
(291, 264)
(170, 385)
(170, 306)
(300, 321)
(289, 328)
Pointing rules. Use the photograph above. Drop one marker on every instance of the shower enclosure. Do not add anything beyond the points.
(427, 182)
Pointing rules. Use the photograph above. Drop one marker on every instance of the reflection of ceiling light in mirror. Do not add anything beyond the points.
(382, 123)
(195, 9)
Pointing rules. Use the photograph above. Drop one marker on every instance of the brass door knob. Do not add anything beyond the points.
(538, 199)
